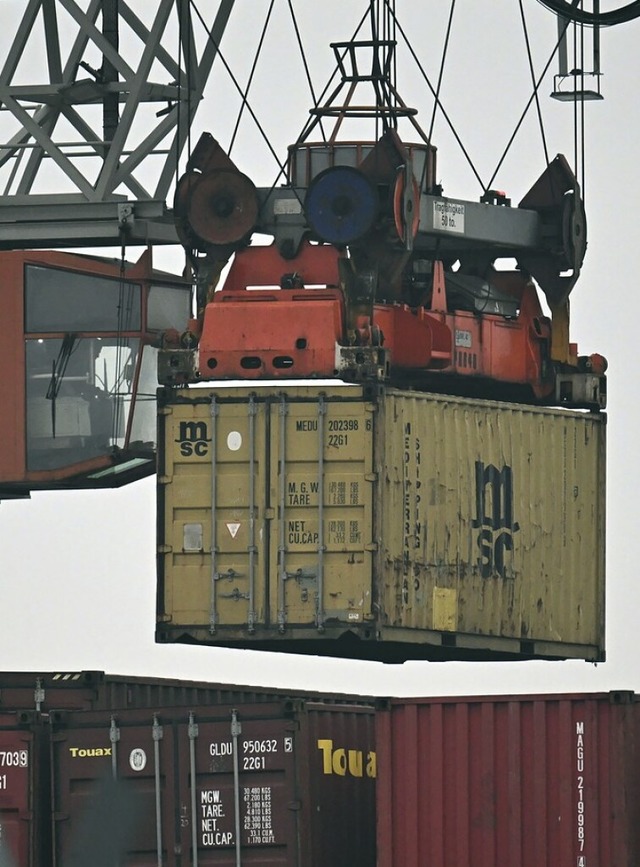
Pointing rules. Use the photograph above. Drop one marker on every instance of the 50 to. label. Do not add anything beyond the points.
(448, 216)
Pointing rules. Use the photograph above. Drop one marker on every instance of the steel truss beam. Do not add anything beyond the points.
(100, 166)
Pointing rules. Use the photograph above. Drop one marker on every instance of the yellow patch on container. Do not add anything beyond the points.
(445, 609)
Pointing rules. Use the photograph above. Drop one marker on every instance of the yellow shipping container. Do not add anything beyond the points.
(371, 522)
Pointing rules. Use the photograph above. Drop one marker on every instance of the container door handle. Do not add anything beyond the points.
(282, 550)
(157, 735)
(251, 617)
(193, 734)
(320, 612)
(213, 607)
(236, 731)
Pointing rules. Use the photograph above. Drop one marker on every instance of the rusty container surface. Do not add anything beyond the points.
(288, 784)
(382, 523)
(521, 780)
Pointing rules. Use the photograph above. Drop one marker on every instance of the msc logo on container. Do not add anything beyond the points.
(193, 439)
(494, 518)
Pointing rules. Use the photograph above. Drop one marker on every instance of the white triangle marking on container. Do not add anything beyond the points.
(233, 529)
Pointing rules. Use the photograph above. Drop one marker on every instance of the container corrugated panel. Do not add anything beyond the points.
(424, 525)
(45, 691)
(288, 785)
(95, 690)
(533, 781)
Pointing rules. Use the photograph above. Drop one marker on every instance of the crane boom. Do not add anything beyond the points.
(55, 121)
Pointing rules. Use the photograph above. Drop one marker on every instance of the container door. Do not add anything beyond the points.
(321, 486)
(339, 782)
(238, 776)
(237, 498)
(16, 775)
(214, 500)
(113, 793)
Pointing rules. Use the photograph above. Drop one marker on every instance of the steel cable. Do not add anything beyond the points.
(305, 64)
(533, 81)
(440, 106)
(526, 109)
(245, 95)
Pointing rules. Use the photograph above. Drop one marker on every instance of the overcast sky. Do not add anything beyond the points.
(78, 569)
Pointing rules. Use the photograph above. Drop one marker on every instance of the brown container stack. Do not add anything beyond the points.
(260, 783)
(121, 770)
(305, 781)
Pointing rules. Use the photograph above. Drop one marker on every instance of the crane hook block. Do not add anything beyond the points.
(341, 205)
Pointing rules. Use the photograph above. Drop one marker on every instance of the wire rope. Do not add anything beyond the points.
(236, 84)
(305, 64)
(526, 108)
(308, 126)
(450, 124)
(445, 49)
(245, 95)
(525, 31)
(315, 116)
(436, 101)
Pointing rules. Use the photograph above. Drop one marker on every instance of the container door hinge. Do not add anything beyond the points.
(294, 805)
(157, 734)
(165, 549)
(39, 694)
(164, 480)
(193, 733)
(236, 731)
(371, 477)
(372, 546)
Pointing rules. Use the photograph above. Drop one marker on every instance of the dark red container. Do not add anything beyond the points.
(95, 690)
(525, 781)
(285, 784)
(120, 769)
(23, 791)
